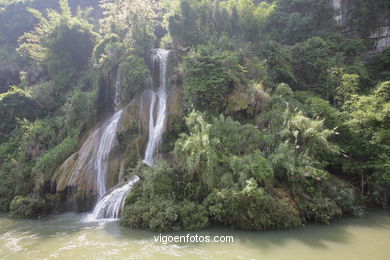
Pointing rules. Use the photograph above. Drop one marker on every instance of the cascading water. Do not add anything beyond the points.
(101, 160)
(111, 204)
(91, 164)
(156, 127)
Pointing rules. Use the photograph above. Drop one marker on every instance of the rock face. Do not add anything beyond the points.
(381, 37)
(380, 31)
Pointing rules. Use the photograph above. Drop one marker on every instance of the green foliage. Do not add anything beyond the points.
(206, 80)
(28, 207)
(365, 15)
(312, 61)
(158, 181)
(193, 216)
(165, 215)
(308, 136)
(278, 163)
(134, 72)
(346, 93)
(280, 62)
(250, 208)
(345, 197)
(379, 66)
(79, 106)
(63, 42)
(246, 101)
(252, 16)
(206, 153)
(131, 22)
(319, 209)
(46, 164)
(182, 25)
(367, 121)
(169, 138)
(297, 20)
(253, 165)
(326, 200)
(154, 205)
(16, 104)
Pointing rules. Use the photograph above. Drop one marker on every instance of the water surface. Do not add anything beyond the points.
(67, 236)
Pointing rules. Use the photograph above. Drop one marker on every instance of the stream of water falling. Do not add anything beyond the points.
(111, 204)
(92, 162)
(103, 150)
(156, 127)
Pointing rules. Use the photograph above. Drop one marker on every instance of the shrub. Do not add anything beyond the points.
(206, 153)
(160, 214)
(192, 216)
(345, 197)
(28, 207)
(250, 208)
(46, 165)
(318, 208)
(206, 81)
(158, 181)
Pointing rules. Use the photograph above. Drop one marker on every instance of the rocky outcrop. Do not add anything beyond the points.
(379, 30)
(381, 37)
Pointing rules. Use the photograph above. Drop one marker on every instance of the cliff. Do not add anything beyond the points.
(378, 29)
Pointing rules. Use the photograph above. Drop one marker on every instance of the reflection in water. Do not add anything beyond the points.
(66, 236)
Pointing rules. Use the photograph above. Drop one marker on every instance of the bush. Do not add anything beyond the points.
(206, 153)
(46, 165)
(206, 81)
(250, 208)
(160, 214)
(16, 104)
(28, 207)
(192, 216)
(345, 197)
(318, 208)
(133, 72)
(158, 181)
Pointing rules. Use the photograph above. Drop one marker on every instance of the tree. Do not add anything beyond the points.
(132, 22)
(61, 41)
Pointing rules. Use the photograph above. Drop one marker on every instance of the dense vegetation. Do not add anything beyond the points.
(286, 115)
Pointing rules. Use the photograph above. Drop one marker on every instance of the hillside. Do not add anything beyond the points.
(249, 114)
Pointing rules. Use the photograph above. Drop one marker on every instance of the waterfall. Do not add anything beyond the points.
(89, 170)
(112, 203)
(103, 150)
(94, 155)
(156, 127)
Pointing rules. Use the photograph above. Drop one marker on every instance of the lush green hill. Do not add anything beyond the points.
(281, 115)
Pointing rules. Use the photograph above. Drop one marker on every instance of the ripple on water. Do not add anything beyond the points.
(66, 237)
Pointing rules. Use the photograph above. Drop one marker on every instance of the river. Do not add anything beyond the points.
(68, 236)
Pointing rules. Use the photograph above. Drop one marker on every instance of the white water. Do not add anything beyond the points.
(156, 127)
(118, 88)
(101, 160)
(110, 206)
(92, 163)
(93, 155)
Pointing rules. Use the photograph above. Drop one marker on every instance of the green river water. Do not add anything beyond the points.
(67, 236)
